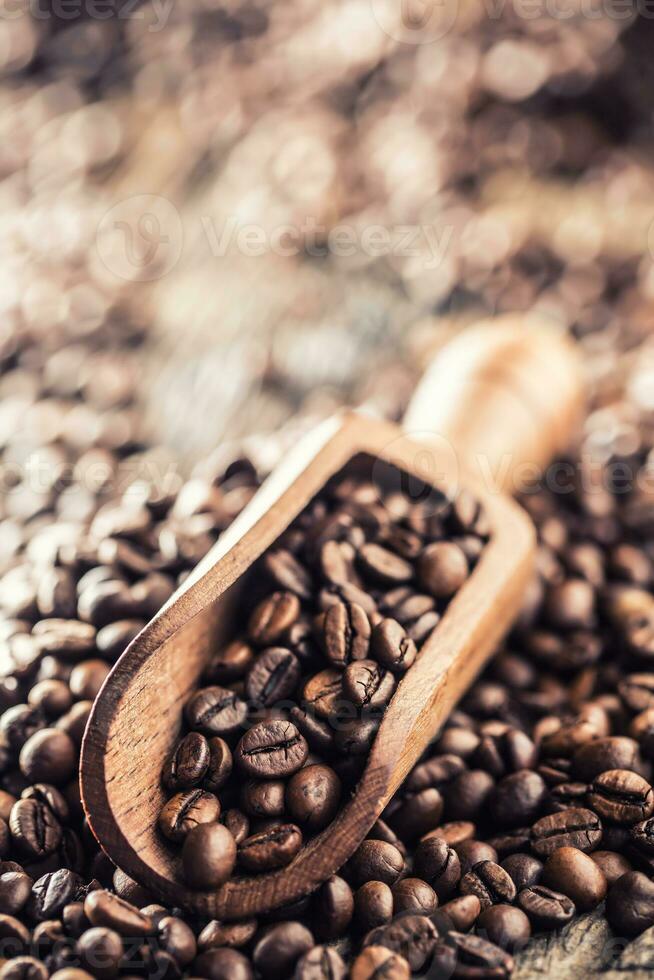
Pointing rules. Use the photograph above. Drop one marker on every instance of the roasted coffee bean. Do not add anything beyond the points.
(237, 824)
(355, 738)
(468, 794)
(412, 936)
(465, 956)
(273, 617)
(52, 892)
(102, 908)
(438, 864)
(614, 752)
(313, 796)
(457, 915)
(505, 926)
(222, 964)
(270, 849)
(517, 799)
(621, 796)
(187, 810)
(319, 734)
(333, 907)
(414, 895)
(15, 890)
(630, 904)
(323, 693)
(288, 573)
(177, 939)
(270, 750)
(52, 697)
(505, 753)
(524, 869)
(208, 855)
(375, 860)
(576, 827)
(220, 765)
(545, 908)
(346, 634)
(576, 875)
(24, 968)
(637, 692)
(367, 685)
(231, 663)
(278, 951)
(611, 864)
(263, 797)
(571, 605)
(373, 905)
(392, 647)
(437, 771)
(34, 828)
(379, 961)
(418, 814)
(232, 934)
(471, 852)
(273, 677)
(215, 711)
(188, 763)
(489, 882)
(101, 951)
(19, 723)
(381, 566)
(320, 963)
(49, 755)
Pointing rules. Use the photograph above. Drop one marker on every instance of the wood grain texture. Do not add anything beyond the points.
(137, 715)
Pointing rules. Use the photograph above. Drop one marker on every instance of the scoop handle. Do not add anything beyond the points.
(504, 396)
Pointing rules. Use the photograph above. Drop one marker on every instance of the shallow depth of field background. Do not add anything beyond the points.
(228, 218)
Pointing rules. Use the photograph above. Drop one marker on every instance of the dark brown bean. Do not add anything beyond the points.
(208, 855)
(271, 750)
(545, 908)
(270, 849)
(621, 796)
(576, 827)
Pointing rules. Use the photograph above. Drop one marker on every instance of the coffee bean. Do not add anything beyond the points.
(418, 814)
(392, 647)
(188, 763)
(230, 663)
(621, 796)
(270, 750)
(457, 915)
(413, 895)
(611, 864)
(505, 753)
(270, 849)
(442, 569)
(313, 796)
(263, 798)
(346, 634)
(382, 566)
(272, 617)
(237, 824)
(34, 828)
(208, 855)
(288, 573)
(524, 869)
(187, 810)
(576, 875)
(505, 926)
(323, 693)
(471, 852)
(279, 949)
(52, 697)
(468, 794)
(101, 951)
(571, 605)
(320, 963)
(24, 968)
(630, 904)
(489, 882)
(517, 799)
(614, 752)
(437, 771)
(576, 827)
(355, 738)
(319, 734)
(413, 937)
(333, 907)
(545, 908)
(378, 961)
(438, 864)
(637, 692)
(373, 905)
(102, 908)
(375, 860)
(52, 892)
(366, 684)
(220, 764)
(177, 939)
(215, 711)
(15, 890)
(273, 677)
(222, 964)
(473, 956)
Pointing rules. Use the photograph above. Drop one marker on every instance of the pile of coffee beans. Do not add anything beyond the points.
(336, 613)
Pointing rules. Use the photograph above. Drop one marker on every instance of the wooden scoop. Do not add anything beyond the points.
(502, 397)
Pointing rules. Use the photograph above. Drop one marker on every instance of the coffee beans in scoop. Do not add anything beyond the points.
(333, 616)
